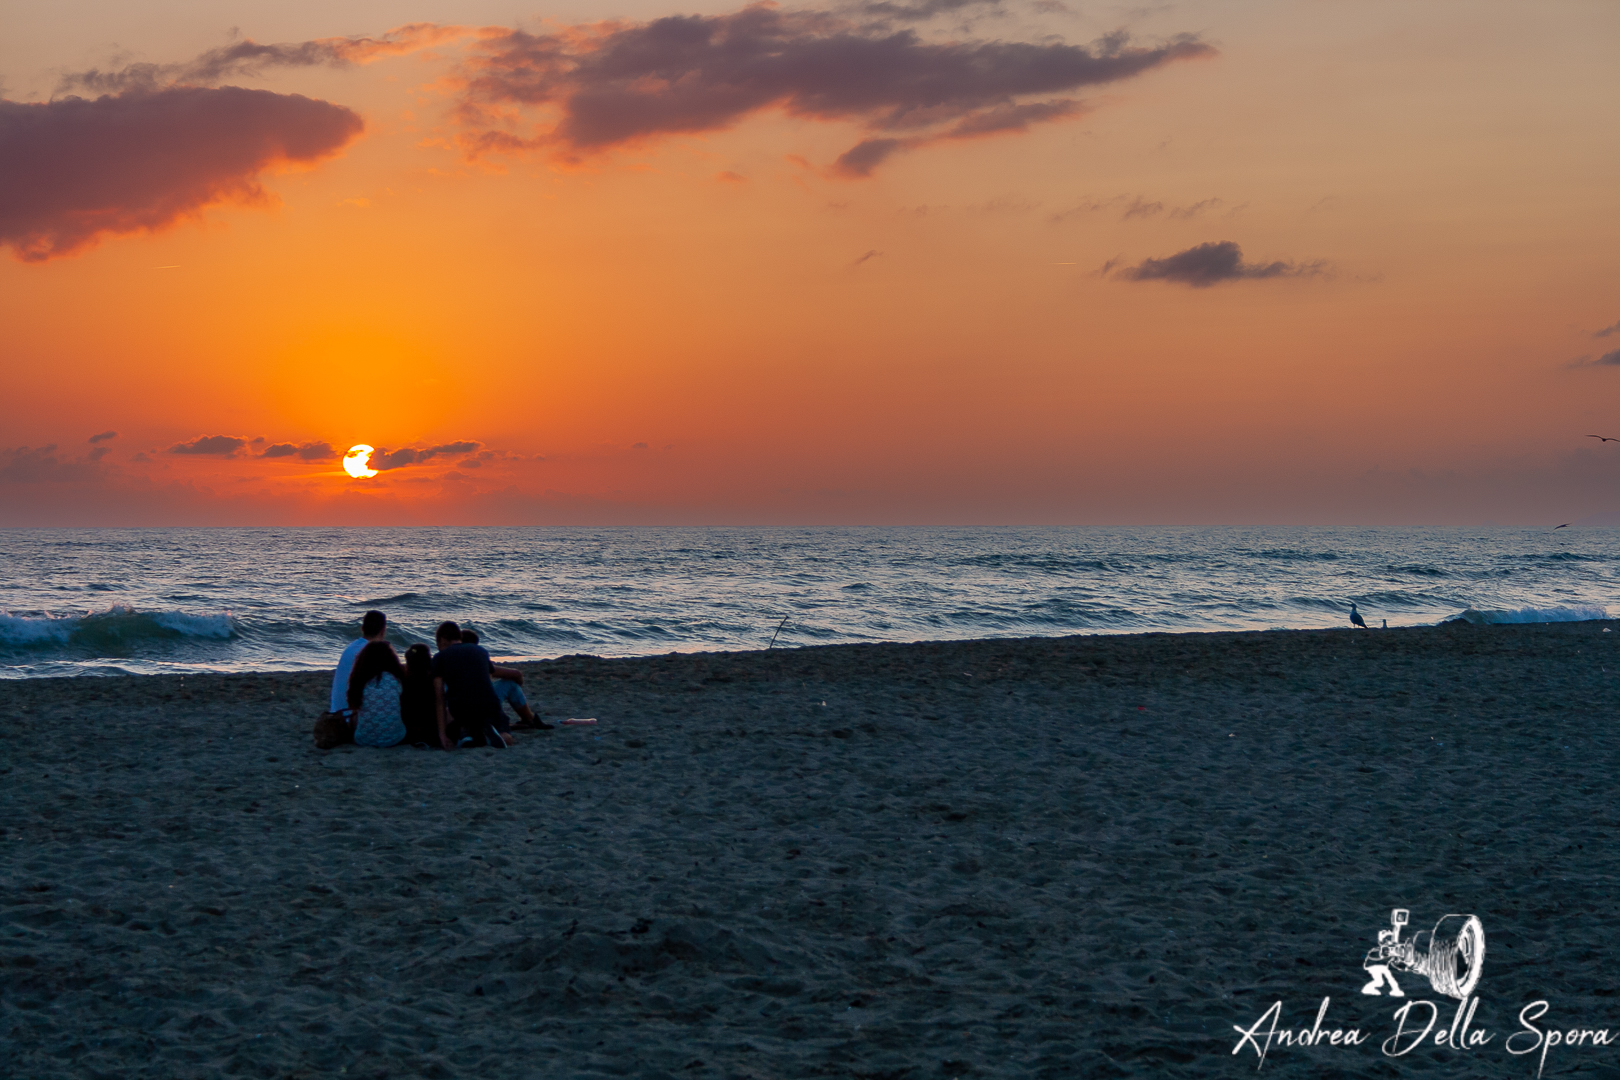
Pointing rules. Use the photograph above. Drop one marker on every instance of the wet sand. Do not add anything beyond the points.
(1071, 857)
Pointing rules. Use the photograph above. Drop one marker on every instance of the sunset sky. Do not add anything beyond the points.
(883, 262)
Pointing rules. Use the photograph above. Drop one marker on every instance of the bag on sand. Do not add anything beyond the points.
(333, 729)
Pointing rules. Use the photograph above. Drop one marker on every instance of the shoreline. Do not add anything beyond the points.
(517, 661)
(1004, 857)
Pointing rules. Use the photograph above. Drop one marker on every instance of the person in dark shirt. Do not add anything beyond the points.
(508, 682)
(461, 674)
(417, 705)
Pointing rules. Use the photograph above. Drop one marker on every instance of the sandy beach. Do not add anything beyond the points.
(1087, 856)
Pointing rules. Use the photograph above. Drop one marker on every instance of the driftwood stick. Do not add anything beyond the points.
(778, 631)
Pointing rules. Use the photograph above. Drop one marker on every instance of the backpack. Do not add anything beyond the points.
(333, 729)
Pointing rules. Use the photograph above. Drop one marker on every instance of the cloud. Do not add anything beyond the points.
(1608, 359)
(873, 254)
(310, 451)
(383, 459)
(1136, 206)
(1196, 208)
(921, 10)
(210, 446)
(73, 170)
(1211, 264)
(103, 437)
(1607, 330)
(615, 84)
(248, 57)
(28, 465)
(1140, 208)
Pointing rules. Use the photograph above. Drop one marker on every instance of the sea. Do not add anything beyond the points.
(88, 602)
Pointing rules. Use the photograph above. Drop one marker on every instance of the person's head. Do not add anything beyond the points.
(374, 626)
(469, 637)
(374, 660)
(418, 661)
(447, 634)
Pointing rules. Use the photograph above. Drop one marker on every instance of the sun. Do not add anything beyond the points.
(354, 462)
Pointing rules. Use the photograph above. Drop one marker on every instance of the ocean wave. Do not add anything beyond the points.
(381, 600)
(1494, 617)
(119, 627)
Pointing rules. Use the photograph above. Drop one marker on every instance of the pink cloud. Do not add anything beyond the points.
(75, 169)
(619, 83)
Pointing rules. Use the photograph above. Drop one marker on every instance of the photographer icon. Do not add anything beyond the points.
(1449, 956)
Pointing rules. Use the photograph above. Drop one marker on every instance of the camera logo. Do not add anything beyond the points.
(1450, 956)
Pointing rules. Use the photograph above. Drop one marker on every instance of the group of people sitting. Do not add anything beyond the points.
(451, 698)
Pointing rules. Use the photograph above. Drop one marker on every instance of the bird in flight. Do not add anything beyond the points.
(1356, 619)
(1602, 438)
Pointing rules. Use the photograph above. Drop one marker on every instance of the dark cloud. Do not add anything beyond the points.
(310, 451)
(1211, 264)
(1141, 208)
(30, 465)
(247, 57)
(104, 436)
(74, 169)
(1607, 330)
(873, 254)
(383, 460)
(1196, 208)
(620, 83)
(1137, 206)
(210, 446)
(1608, 359)
(922, 10)
(868, 154)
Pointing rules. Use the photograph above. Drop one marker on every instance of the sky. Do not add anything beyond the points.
(1028, 262)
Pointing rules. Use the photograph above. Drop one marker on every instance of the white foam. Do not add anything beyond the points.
(1494, 617)
(21, 630)
(118, 620)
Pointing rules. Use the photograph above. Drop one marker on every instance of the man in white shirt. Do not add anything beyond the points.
(374, 627)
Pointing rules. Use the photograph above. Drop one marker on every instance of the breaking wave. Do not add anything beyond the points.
(1580, 613)
(120, 627)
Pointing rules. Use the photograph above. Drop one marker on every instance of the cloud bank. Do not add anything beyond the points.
(76, 169)
(210, 446)
(621, 83)
(1212, 263)
(310, 451)
(1608, 359)
(248, 57)
(41, 465)
(383, 460)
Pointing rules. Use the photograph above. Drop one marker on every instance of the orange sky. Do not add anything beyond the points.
(725, 326)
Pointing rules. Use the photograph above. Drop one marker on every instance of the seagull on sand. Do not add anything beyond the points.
(1356, 619)
(1602, 438)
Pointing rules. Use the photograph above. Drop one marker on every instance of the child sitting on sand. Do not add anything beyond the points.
(374, 688)
(416, 705)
